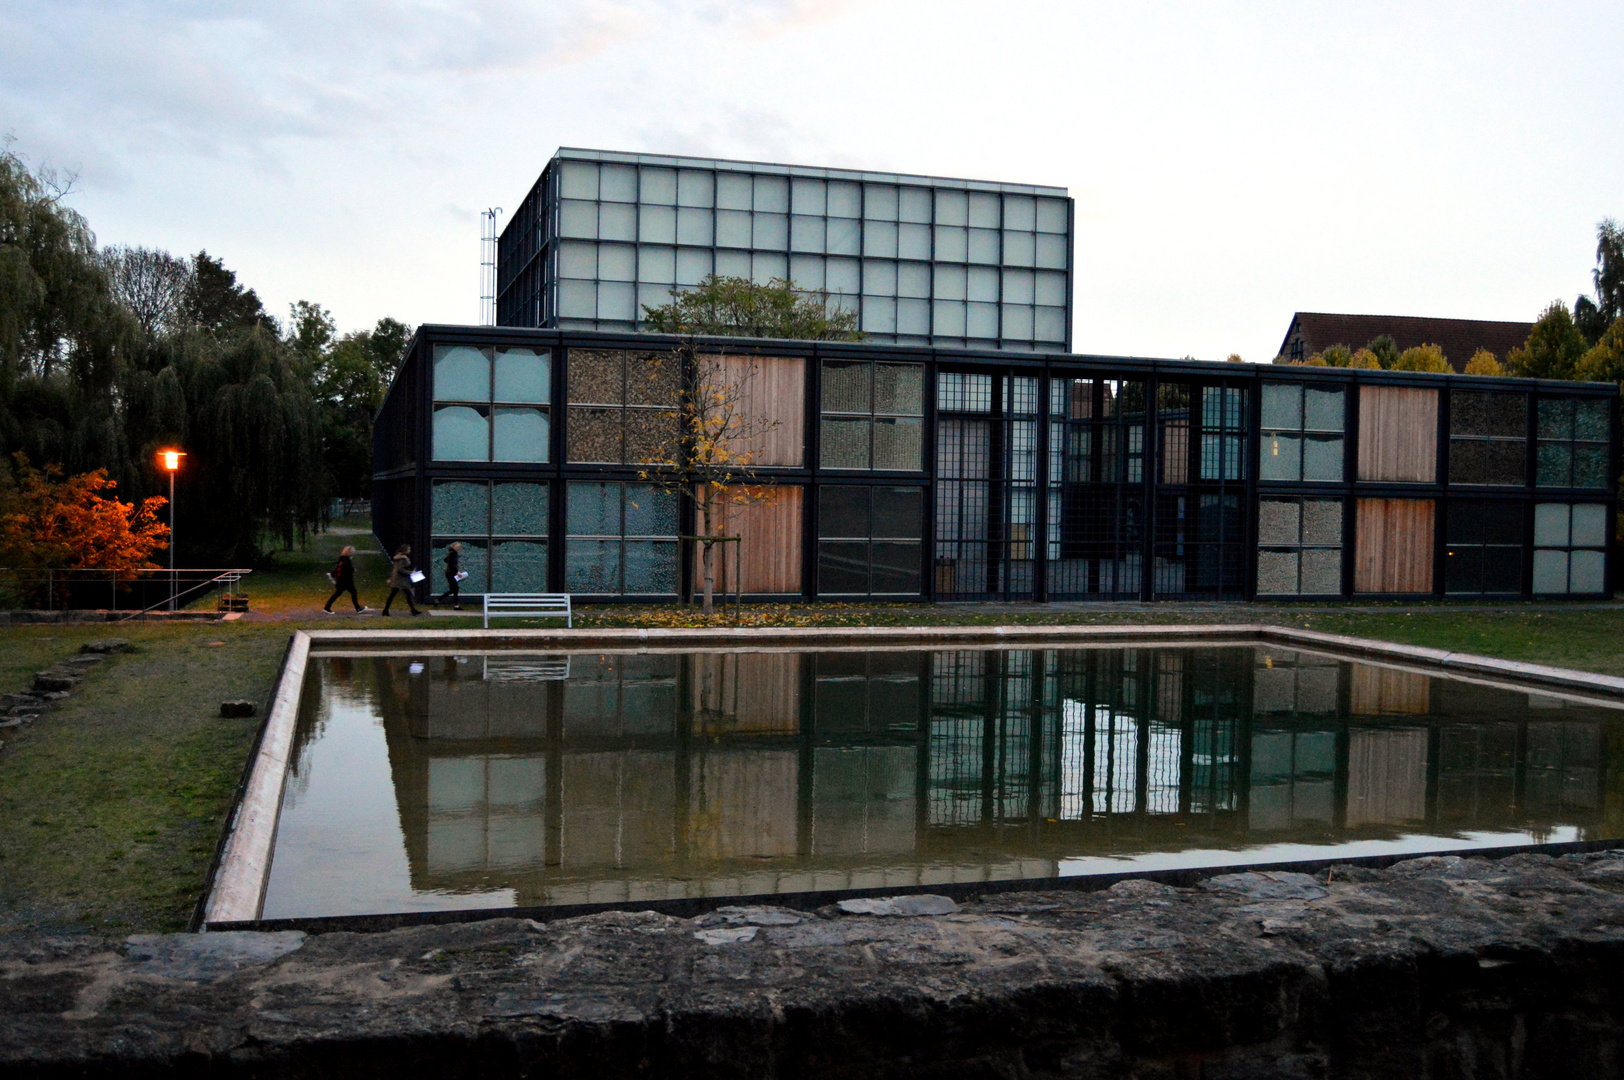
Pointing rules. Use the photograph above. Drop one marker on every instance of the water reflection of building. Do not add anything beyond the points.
(776, 771)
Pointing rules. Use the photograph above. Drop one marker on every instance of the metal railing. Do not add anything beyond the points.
(130, 591)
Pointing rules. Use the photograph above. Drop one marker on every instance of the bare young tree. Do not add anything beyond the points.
(154, 285)
(705, 445)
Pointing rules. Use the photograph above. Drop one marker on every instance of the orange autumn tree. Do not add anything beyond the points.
(47, 521)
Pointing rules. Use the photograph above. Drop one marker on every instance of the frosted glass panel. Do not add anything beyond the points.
(1019, 249)
(1551, 525)
(461, 434)
(1051, 251)
(879, 277)
(461, 373)
(913, 241)
(1282, 406)
(947, 318)
(1051, 289)
(695, 187)
(952, 243)
(577, 260)
(880, 238)
(1020, 212)
(656, 224)
(1017, 322)
(981, 320)
(982, 284)
(694, 226)
(1587, 571)
(913, 204)
(617, 262)
(879, 315)
(1282, 457)
(1049, 324)
(950, 283)
(952, 208)
(913, 279)
(1322, 458)
(807, 196)
(806, 271)
(618, 183)
(1550, 571)
(842, 275)
(984, 210)
(519, 510)
(577, 180)
(592, 510)
(1019, 287)
(732, 228)
(617, 221)
(617, 300)
(1589, 525)
(845, 199)
(879, 202)
(983, 246)
(657, 265)
(770, 231)
(1323, 410)
(577, 299)
(578, 219)
(732, 191)
(772, 194)
(1051, 216)
(766, 267)
(733, 264)
(843, 236)
(693, 264)
(913, 317)
(520, 435)
(523, 375)
(806, 233)
(659, 186)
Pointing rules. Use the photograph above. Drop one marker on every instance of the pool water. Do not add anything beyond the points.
(437, 780)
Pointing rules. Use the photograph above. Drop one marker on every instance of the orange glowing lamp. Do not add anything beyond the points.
(170, 459)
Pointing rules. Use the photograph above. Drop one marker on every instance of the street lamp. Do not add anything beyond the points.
(169, 461)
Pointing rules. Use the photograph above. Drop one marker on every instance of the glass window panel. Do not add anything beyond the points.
(913, 241)
(520, 435)
(982, 284)
(899, 389)
(1550, 571)
(841, 276)
(879, 315)
(733, 264)
(1282, 457)
(952, 243)
(1049, 324)
(472, 563)
(656, 265)
(984, 209)
(578, 219)
(618, 183)
(806, 271)
(879, 277)
(1587, 571)
(1551, 524)
(983, 246)
(1051, 289)
(651, 566)
(808, 196)
(896, 567)
(950, 283)
(1322, 458)
(1051, 216)
(1051, 251)
(693, 265)
(1279, 522)
(1322, 522)
(981, 321)
(577, 260)
(844, 443)
(1019, 287)
(880, 239)
(805, 233)
(461, 434)
(843, 512)
(844, 236)
(1589, 525)
(1497, 414)
(1481, 521)
(617, 221)
(913, 317)
(732, 228)
(652, 296)
(772, 194)
(695, 187)
(1323, 410)
(913, 204)
(1017, 322)
(1019, 249)
(461, 373)
(733, 191)
(578, 180)
(1473, 461)
(592, 566)
(879, 202)
(897, 443)
(765, 266)
(1589, 466)
(1282, 406)
(845, 199)
(1556, 418)
(617, 300)
(656, 224)
(519, 509)
(1020, 212)
(1590, 421)
(461, 508)
(769, 231)
(594, 435)
(577, 299)
(592, 509)
(659, 186)
(913, 279)
(518, 566)
(617, 262)
(694, 226)
(650, 510)
(952, 207)
(1277, 572)
(1555, 464)
(842, 567)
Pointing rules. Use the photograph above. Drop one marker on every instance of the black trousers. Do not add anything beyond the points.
(407, 593)
(339, 590)
(453, 591)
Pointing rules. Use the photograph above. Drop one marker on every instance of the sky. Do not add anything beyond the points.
(1232, 163)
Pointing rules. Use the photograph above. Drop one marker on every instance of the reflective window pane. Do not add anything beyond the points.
(520, 434)
(843, 512)
(461, 433)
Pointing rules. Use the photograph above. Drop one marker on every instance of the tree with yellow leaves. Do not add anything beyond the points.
(1484, 363)
(1423, 358)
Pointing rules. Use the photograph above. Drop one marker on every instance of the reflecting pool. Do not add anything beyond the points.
(436, 781)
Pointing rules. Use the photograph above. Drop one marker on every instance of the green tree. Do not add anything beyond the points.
(738, 307)
(218, 305)
(1605, 362)
(1483, 362)
(350, 383)
(1422, 358)
(1385, 349)
(310, 333)
(1553, 348)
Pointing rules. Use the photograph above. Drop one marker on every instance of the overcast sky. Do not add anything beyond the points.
(1231, 162)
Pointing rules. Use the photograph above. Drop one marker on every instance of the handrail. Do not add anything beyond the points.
(114, 577)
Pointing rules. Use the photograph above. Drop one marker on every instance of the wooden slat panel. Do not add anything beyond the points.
(1393, 548)
(1398, 434)
(773, 399)
(1377, 690)
(747, 693)
(769, 551)
(742, 803)
(1387, 777)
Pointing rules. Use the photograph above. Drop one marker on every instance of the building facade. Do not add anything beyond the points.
(920, 260)
(901, 472)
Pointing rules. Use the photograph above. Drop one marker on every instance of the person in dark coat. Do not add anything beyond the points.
(343, 576)
(400, 579)
(453, 566)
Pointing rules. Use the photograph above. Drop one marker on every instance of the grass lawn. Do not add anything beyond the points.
(111, 804)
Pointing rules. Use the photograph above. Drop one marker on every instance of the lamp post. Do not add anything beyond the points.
(170, 462)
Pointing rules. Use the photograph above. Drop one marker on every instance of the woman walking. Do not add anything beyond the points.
(400, 579)
(343, 576)
(453, 576)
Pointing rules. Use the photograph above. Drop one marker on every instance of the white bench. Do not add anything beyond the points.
(529, 606)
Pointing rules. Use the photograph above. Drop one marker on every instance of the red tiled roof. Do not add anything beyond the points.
(1459, 338)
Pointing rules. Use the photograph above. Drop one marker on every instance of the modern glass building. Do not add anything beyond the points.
(903, 472)
(921, 260)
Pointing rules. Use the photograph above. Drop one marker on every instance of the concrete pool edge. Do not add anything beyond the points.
(236, 892)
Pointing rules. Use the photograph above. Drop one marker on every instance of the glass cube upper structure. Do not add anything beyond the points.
(921, 260)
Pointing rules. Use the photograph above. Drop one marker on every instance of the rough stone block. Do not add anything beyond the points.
(108, 645)
(234, 710)
(47, 682)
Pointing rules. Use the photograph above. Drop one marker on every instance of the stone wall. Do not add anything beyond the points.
(1443, 967)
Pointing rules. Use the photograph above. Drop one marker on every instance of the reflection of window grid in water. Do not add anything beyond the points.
(1292, 778)
(1096, 462)
(1302, 428)
(1299, 547)
(1214, 708)
(956, 768)
(611, 544)
(1570, 541)
(1488, 438)
(872, 416)
(958, 678)
(1477, 771)
(1573, 443)
(1483, 546)
(1563, 765)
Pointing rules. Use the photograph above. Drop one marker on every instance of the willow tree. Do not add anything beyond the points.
(704, 447)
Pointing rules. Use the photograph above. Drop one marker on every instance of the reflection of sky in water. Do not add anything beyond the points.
(436, 782)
